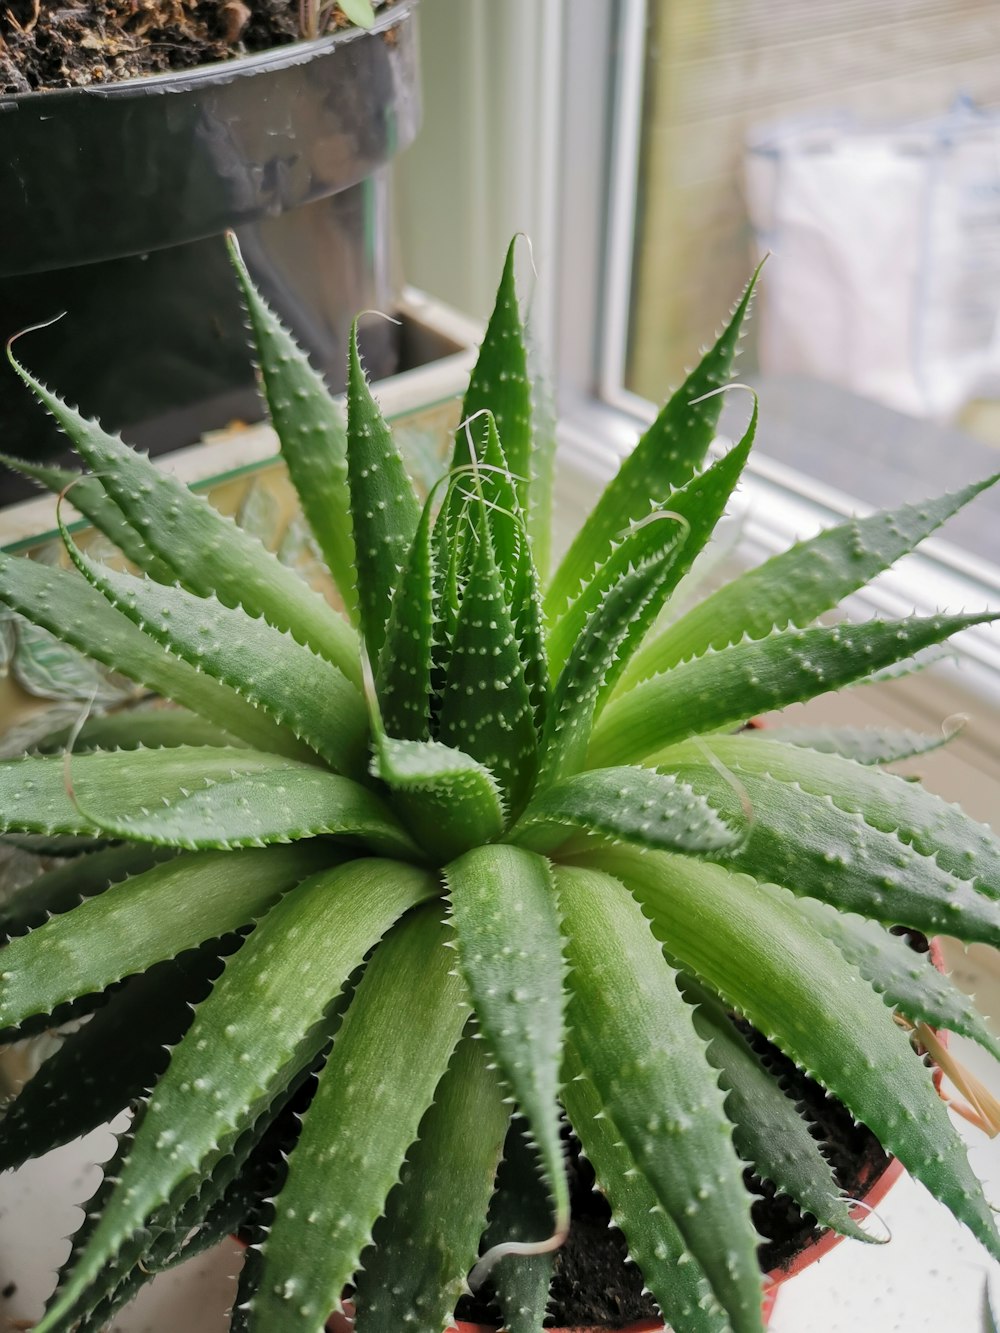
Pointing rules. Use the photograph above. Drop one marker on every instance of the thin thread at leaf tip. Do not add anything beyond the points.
(30, 328)
(381, 314)
(506, 1248)
(870, 1213)
(724, 388)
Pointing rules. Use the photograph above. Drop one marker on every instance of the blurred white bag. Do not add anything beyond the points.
(886, 270)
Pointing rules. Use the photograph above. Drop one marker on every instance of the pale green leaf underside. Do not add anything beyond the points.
(506, 925)
(907, 980)
(768, 1130)
(799, 584)
(304, 693)
(753, 946)
(861, 839)
(192, 797)
(260, 1021)
(865, 745)
(394, 1046)
(65, 604)
(143, 920)
(634, 1037)
(147, 726)
(429, 1237)
(731, 685)
(631, 804)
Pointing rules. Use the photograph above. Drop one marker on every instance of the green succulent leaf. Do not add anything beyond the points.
(438, 1207)
(449, 801)
(665, 458)
(309, 698)
(670, 1271)
(384, 507)
(763, 957)
(543, 453)
(634, 1036)
(360, 12)
(696, 507)
(143, 920)
(500, 385)
(486, 705)
(768, 1130)
(510, 951)
(264, 1019)
(114, 1058)
(521, 1211)
(635, 805)
(207, 552)
(656, 539)
(865, 745)
(312, 431)
(65, 605)
(799, 584)
(907, 980)
(728, 686)
(67, 885)
(863, 840)
(150, 727)
(404, 678)
(200, 798)
(143, 727)
(87, 495)
(627, 609)
(488, 478)
(391, 1052)
(529, 629)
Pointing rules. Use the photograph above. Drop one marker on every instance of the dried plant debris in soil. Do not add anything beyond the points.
(69, 45)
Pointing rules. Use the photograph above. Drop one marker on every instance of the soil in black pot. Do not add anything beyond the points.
(73, 43)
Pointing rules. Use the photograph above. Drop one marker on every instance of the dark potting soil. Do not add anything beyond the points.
(73, 43)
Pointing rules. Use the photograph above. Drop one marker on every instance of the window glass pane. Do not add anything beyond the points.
(860, 143)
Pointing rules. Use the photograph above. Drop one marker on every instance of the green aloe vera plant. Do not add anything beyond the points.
(487, 844)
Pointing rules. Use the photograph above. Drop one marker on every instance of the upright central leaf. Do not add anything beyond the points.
(486, 709)
(500, 385)
(383, 504)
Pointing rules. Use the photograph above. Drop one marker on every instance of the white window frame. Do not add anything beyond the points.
(560, 137)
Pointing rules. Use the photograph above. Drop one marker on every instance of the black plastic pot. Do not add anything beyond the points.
(113, 201)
